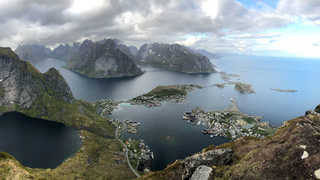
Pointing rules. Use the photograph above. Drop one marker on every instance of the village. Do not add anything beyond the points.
(230, 123)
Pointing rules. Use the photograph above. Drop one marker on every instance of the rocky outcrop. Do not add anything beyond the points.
(130, 51)
(174, 57)
(65, 51)
(291, 153)
(22, 84)
(103, 59)
(201, 173)
(33, 53)
(218, 157)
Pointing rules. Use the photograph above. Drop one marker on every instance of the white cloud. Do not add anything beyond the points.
(211, 8)
(228, 25)
(84, 6)
(190, 40)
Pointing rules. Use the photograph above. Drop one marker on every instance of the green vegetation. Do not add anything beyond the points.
(7, 52)
(78, 114)
(173, 90)
(162, 91)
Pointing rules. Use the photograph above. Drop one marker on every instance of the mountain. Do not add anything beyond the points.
(47, 96)
(22, 85)
(130, 51)
(33, 53)
(174, 57)
(42, 95)
(103, 59)
(65, 51)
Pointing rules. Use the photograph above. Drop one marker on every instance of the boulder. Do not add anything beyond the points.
(201, 173)
(217, 157)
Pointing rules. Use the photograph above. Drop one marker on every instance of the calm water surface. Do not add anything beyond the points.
(37, 143)
(163, 128)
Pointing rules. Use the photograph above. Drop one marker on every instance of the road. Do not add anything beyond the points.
(127, 157)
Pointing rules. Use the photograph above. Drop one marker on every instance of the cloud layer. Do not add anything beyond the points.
(217, 25)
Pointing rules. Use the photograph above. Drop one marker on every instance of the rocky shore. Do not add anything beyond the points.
(229, 123)
(241, 87)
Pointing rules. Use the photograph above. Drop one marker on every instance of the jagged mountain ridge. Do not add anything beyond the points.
(22, 84)
(103, 59)
(174, 57)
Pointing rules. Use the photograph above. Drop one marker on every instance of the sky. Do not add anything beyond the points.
(253, 27)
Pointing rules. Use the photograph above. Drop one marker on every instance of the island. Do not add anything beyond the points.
(230, 123)
(284, 90)
(243, 88)
(172, 93)
(103, 59)
(174, 57)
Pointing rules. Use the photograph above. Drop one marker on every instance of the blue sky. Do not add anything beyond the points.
(297, 34)
(258, 27)
(255, 3)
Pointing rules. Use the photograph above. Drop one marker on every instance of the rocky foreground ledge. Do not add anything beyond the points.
(291, 153)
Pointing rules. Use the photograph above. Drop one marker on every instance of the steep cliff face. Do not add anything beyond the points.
(22, 84)
(65, 51)
(33, 53)
(103, 59)
(291, 153)
(174, 57)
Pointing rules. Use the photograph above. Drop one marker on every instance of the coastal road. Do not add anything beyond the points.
(125, 146)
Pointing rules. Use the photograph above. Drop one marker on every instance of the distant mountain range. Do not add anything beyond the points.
(111, 58)
(34, 53)
(174, 57)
